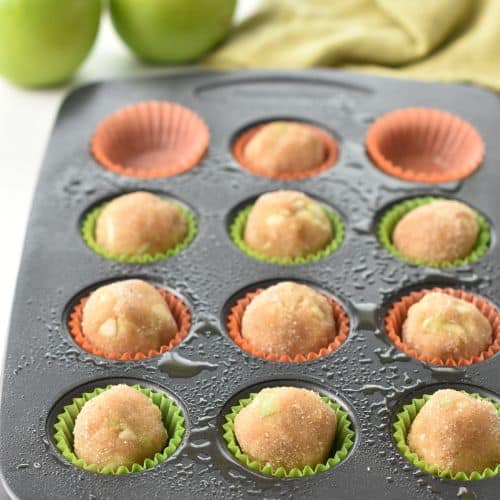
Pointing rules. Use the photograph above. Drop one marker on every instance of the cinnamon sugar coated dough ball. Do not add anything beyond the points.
(287, 224)
(128, 316)
(139, 224)
(120, 426)
(285, 147)
(289, 318)
(286, 427)
(445, 327)
(440, 231)
(457, 432)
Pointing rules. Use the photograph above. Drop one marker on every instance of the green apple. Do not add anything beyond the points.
(171, 31)
(42, 42)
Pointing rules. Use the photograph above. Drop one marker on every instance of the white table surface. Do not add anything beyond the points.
(26, 119)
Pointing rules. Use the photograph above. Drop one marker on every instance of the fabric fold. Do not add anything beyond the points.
(449, 40)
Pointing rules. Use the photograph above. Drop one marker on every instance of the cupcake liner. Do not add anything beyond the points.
(88, 234)
(237, 230)
(391, 218)
(424, 145)
(401, 428)
(398, 312)
(179, 310)
(235, 318)
(329, 144)
(150, 139)
(172, 419)
(344, 440)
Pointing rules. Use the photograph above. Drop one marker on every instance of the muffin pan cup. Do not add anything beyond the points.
(179, 311)
(235, 318)
(344, 440)
(329, 144)
(424, 145)
(150, 139)
(88, 234)
(237, 232)
(401, 429)
(207, 373)
(171, 416)
(393, 215)
(397, 314)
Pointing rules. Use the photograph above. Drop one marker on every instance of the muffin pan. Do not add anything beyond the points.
(207, 373)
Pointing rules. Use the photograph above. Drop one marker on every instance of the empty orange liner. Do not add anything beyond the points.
(424, 145)
(179, 310)
(235, 318)
(329, 144)
(151, 139)
(397, 314)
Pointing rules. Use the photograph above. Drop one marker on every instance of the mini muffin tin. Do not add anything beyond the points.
(207, 372)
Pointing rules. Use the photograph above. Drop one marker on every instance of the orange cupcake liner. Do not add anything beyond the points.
(150, 139)
(179, 310)
(398, 312)
(329, 144)
(424, 145)
(235, 318)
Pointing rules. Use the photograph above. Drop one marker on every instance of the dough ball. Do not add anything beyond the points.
(442, 326)
(140, 223)
(120, 426)
(440, 231)
(287, 224)
(128, 316)
(285, 147)
(286, 427)
(457, 432)
(289, 318)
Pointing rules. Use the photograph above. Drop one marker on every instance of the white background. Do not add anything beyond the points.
(26, 119)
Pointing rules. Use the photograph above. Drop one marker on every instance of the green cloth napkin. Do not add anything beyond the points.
(449, 40)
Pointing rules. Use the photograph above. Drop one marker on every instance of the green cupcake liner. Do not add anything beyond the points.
(390, 219)
(344, 440)
(237, 230)
(172, 419)
(402, 426)
(88, 234)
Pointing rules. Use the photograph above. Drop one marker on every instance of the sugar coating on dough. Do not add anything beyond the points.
(128, 316)
(440, 231)
(286, 427)
(287, 224)
(457, 432)
(140, 223)
(120, 426)
(445, 327)
(285, 147)
(289, 318)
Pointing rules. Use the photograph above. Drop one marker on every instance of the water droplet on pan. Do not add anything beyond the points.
(176, 366)
(465, 494)
(446, 373)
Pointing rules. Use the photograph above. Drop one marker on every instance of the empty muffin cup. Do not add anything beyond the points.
(171, 416)
(344, 440)
(150, 139)
(237, 232)
(330, 154)
(179, 311)
(88, 234)
(235, 318)
(398, 313)
(401, 428)
(390, 219)
(424, 145)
